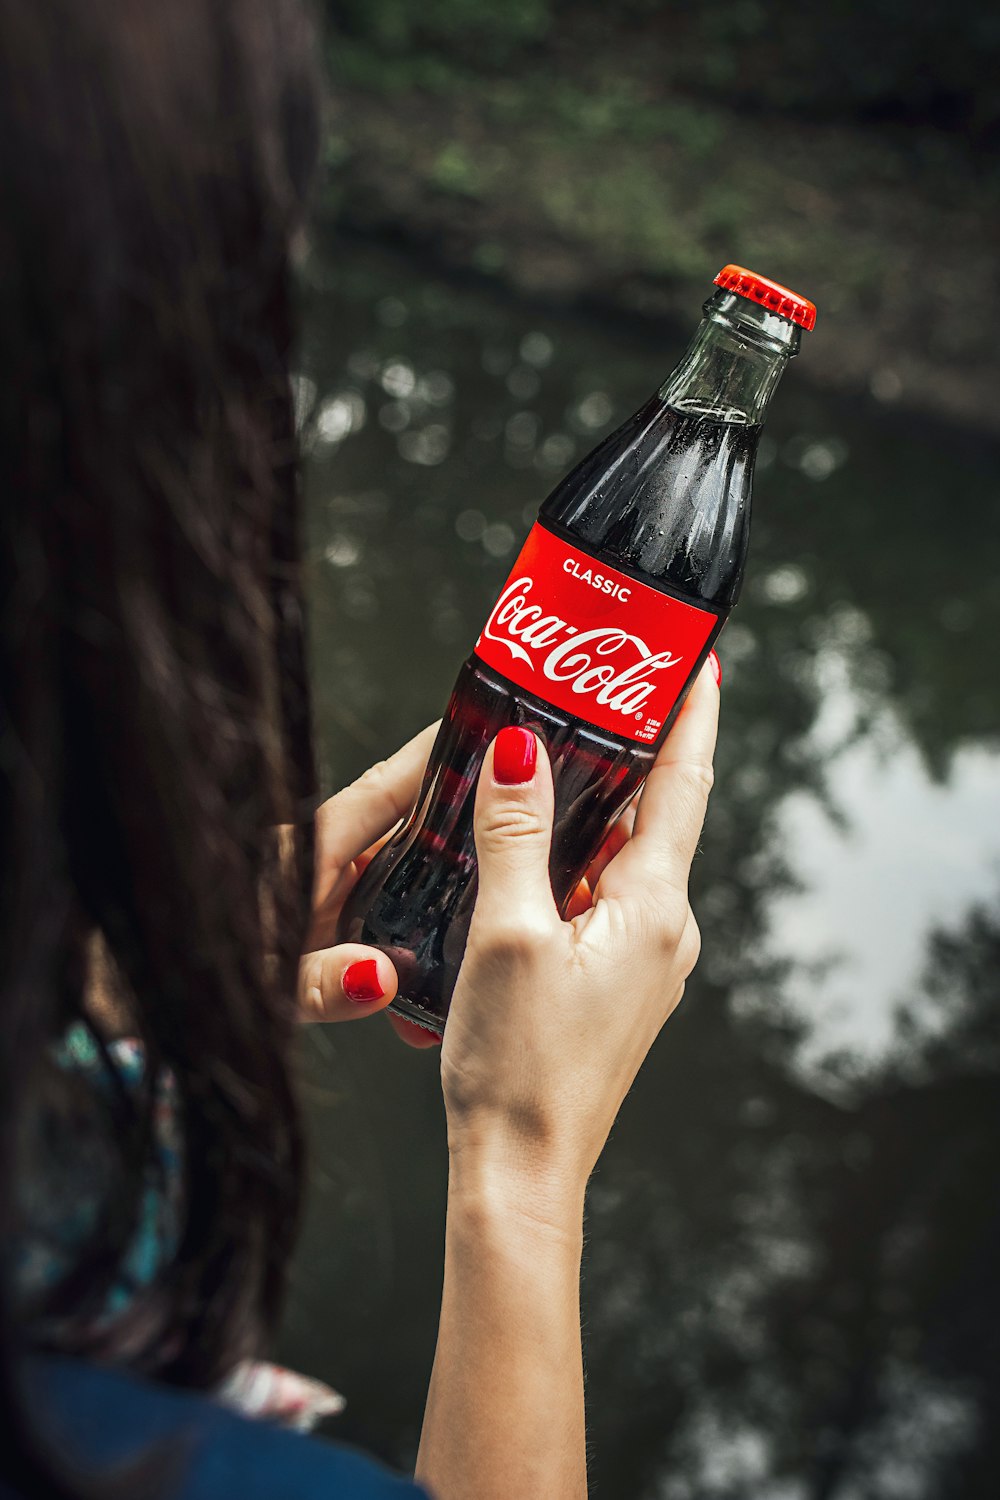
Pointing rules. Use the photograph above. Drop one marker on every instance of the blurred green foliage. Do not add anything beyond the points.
(888, 59)
(459, 28)
(614, 155)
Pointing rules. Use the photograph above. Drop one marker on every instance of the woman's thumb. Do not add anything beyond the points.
(513, 825)
(345, 983)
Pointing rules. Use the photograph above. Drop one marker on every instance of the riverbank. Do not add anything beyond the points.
(602, 196)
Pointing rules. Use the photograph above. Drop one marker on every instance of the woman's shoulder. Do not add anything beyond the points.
(100, 1418)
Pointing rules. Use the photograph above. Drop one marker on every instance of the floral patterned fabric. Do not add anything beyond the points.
(63, 1197)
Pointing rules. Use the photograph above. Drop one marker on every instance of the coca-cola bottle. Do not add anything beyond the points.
(621, 588)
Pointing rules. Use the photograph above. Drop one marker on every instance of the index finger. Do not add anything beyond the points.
(348, 823)
(671, 810)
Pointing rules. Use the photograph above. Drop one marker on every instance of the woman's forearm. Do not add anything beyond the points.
(505, 1414)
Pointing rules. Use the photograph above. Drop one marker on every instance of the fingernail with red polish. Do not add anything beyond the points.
(361, 982)
(514, 756)
(716, 665)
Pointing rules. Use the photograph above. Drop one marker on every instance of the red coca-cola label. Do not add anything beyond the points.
(591, 641)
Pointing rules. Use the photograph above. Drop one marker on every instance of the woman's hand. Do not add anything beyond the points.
(347, 981)
(551, 1019)
(350, 829)
(548, 1026)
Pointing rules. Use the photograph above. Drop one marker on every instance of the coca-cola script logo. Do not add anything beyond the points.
(562, 653)
(591, 642)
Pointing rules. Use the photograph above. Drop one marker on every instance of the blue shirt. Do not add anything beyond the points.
(97, 1418)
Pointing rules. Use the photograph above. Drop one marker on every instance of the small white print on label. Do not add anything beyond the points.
(612, 586)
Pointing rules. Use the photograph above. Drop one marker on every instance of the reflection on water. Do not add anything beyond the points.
(790, 1280)
(878, 868)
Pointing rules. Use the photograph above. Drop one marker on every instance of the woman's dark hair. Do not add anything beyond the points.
(153, 702)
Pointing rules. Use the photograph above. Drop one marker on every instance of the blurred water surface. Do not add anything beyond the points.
(791, 1273)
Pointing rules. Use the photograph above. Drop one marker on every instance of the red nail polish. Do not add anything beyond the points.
(716, 665)
(514, 756)
(361, 982)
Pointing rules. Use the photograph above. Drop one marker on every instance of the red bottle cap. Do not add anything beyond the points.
(769, 294)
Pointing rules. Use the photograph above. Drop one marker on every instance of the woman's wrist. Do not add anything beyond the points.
(498, 1181)
(505, 1410)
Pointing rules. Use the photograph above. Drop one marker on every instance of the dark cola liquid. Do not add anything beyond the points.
(665, 500)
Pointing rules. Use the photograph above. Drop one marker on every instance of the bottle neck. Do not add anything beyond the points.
(734, 362)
